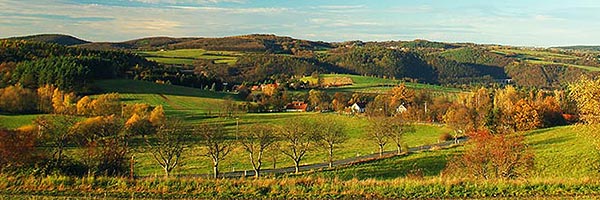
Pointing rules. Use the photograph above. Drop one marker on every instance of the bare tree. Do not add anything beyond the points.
(396, 130)
(255, 141)
(330, 134)
(296, 141)
(217, 145)
(168, 144)
(58, 132)
(379, 133)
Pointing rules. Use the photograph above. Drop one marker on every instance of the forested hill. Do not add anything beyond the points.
(66, 40)
(34, 64)
(247, 43)
(261, 57)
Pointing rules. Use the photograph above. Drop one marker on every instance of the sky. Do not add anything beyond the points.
(541, 23)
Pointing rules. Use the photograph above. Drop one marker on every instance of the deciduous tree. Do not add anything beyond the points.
(296, 139)
(214, 139)
(168, 144)
(256, 140)
(330, 134)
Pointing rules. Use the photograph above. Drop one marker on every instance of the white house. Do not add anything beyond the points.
(358, 107)
(401, 109)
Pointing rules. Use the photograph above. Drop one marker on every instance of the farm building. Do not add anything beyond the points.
(296, 106)
(358, 107)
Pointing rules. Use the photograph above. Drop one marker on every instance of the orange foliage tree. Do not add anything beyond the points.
(489, 156)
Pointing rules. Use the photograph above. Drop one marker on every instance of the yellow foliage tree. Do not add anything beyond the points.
(401, 95)
(137, 125)
(16, 99)
(45, 98)
(157, 116)
(83, 106)
(106, 104)
(140, 109)
(586, 92)
(525, 116)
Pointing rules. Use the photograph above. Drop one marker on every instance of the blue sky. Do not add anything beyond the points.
(511, 22)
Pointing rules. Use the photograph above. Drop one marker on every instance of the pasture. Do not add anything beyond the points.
(561, 153)
(187, 56)
(368, 84)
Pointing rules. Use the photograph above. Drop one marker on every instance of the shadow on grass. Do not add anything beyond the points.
(428, 165)
(549, 141)
(145, 87)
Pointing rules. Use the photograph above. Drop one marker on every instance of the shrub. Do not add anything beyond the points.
(446, 137)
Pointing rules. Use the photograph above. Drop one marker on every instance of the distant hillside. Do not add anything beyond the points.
(66, 40)
(580, 48)
(247, 43)
(151, 43)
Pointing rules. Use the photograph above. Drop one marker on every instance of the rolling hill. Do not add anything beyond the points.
(66, 40)
(260, 57)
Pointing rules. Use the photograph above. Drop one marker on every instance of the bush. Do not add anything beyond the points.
(446, 137)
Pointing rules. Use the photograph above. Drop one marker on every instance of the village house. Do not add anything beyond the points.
(358, 107)
(401, 109)
(296, 106)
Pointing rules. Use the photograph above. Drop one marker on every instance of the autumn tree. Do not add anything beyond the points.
(157, 116)
(106, 104)
(44, 94)
(16, 99)
(329, 134)
(401, 95)
(107, 144)
(214, 139)
(83, 106)
(525, 116)
(17, 149)
(63, 103)
(140, 109)
(256, 140)
(380, 106)
(340, 101)
(296, 139)
(137, 125)
(228, 108)
(455, 117)
(492, 156)
(319, 100)
(168, 144)
(586, 92)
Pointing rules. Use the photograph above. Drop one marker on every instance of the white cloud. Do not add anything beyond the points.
(341, 22)
(341, 7)
(233, 10)
(188, 1)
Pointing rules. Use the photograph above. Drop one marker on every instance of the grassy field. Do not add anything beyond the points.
(560, 153)
(357, 144)
(196, 106)
(544, 57)
(187, 56)
(366, 84)
(16, 121)
(524, 53)
(589, 68)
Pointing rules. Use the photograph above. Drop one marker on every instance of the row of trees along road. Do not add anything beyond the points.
(294, 141)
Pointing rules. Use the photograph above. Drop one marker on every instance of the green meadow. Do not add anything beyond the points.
(187, 56)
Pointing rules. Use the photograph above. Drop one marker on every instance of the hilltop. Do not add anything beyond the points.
(60, 39)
